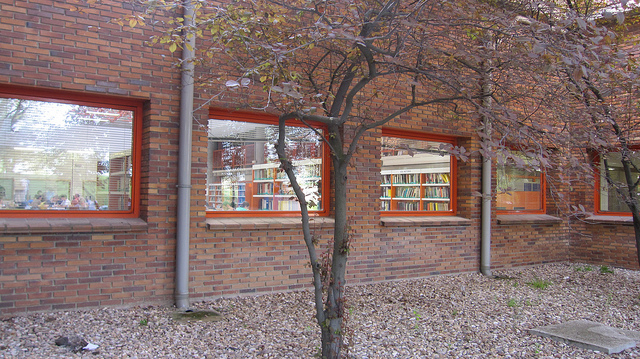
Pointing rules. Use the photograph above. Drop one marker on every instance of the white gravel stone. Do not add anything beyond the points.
(458, 316)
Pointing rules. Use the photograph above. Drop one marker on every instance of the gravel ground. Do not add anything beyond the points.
(459, 316)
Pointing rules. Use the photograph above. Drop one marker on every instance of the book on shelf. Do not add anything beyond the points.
(264, 174)
(437, 178)
(406, 178)
(266, 204)
(288, 205)
(286, 189)
(437, 192)
(408, 206)
(265, 188)
(309, 171)
(436, 206)
(407, 192)
(304, 169)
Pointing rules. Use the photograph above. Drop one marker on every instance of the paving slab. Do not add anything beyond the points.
(590, 335)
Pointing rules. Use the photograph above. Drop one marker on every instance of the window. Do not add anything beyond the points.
(418, 174)
(519, 190)
(64, 154)
(608, 200)
(243, 172)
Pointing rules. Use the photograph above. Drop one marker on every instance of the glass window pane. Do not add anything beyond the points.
(243, 171)
(416, 176)
(610, 200)
(518, 189)
(58, 156)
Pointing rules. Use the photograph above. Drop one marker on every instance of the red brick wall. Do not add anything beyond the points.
(515, 245)
(45, 44)
(240, 261)
(605, 244)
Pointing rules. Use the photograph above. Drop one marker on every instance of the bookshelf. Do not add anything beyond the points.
(226, 196)
(214, 196)
(232, 188)
(427, 189)
(264, 187)
(274, 192)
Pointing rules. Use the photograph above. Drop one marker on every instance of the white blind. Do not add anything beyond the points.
(49, 148)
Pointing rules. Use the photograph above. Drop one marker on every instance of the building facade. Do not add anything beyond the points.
(116, 146)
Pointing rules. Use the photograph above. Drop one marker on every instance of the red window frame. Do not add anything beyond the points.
(453, 185)
(75, 98)
(268, 119)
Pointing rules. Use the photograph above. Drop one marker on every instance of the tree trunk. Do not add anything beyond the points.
(332, 333)
(631, 197)
(636, 228)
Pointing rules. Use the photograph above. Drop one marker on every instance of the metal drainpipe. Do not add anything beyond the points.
(485, 223)
(184, 167)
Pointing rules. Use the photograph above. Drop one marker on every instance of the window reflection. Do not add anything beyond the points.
(60, 156)
(518, 188)
(610, 200)
(244, 169)
(416, 176)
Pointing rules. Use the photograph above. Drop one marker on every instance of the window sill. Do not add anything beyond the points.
(221, 224)
(603, 219)
(424, 221)
(70, 225)
(508, 219)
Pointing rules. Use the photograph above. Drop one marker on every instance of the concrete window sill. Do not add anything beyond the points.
(508, 219)
(600, 219)
(10, 226)
(424, 221)
(233, 223)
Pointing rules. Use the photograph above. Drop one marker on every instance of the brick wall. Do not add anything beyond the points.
(611, 244)
(515, 245)
(46, 45)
